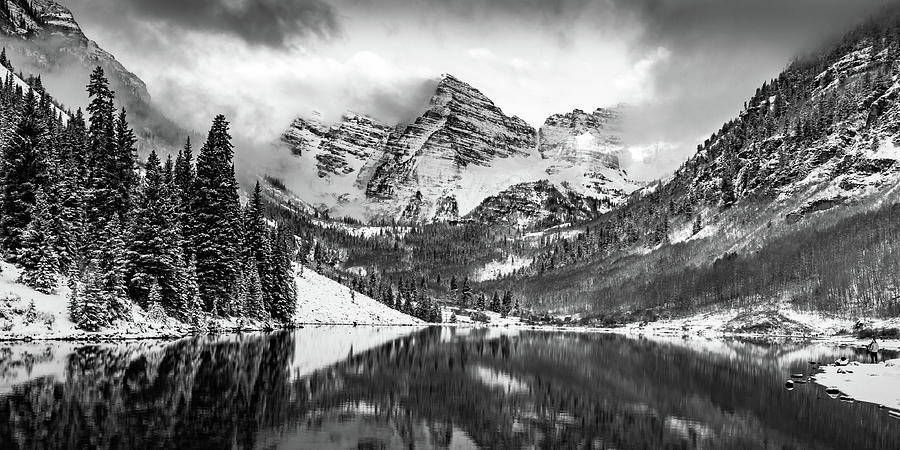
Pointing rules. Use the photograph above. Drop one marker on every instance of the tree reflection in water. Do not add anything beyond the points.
(433, 388)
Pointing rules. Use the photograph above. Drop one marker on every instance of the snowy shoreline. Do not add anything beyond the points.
(878, 384)
(28, 315)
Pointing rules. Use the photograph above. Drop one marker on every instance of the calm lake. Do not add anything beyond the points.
(383, 387)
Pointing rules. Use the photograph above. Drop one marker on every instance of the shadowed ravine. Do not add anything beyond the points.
(433, 388)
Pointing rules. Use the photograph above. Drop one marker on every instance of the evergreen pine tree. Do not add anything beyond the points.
(256, 243)
(495, 303)
(102, 195)
(154, 250)
(183, 179)
(255, 306)
(89, 302)
(283, 295)
(126, 156)
(191, 293)
(38, 254)
(465, 294)
(507, 303)
(215, 212)
(109, 260)
(22, 173)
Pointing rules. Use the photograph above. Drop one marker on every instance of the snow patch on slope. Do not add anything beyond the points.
(323, 300)
(497, 269)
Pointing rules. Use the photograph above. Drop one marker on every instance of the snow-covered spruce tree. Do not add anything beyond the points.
(102, 200)
(183, 191)
(465, 294)
(507, 303)
(495, 303)
(126, 158)
(215, 218)
(256, 241)
(37, 254)
(22, 172)
(154, 307)
(73, 148)
(191, 293)
(238, 307)
(109, 262)
(64, 203)
(282, 290)
(255, 306)
(154, 248)
(89, 302)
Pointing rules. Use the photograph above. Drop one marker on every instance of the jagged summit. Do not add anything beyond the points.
(588, 140)
(460, 151)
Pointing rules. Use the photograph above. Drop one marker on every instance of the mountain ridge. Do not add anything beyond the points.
(50, 41)
(461, 150)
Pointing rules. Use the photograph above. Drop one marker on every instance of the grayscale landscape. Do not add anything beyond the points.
(610, 224)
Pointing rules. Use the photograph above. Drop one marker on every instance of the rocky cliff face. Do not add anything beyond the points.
(49, 40)
(461, 130)
(590, 141)
(538, 203)
(338, 150)
(462, 150)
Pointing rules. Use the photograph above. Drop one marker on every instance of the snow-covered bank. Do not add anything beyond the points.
(873, 383)
(321, 300)
(769, 320)
(26, 314)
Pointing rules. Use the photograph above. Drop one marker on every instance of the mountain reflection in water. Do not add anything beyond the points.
(370, 387)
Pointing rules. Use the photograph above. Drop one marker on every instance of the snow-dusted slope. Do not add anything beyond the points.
(4, 72)
(323, 300)
(460, 152)
(45, 38)
(583, 149)
(28, 314)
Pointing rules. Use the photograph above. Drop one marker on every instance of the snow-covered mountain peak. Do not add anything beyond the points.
(460, 151)
(578, 139)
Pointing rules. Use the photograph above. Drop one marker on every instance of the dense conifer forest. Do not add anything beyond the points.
(169, 235)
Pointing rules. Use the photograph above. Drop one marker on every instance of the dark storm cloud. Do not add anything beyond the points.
(692, 22)
(272, 23)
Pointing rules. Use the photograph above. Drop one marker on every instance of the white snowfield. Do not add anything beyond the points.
(320, 300)
(873, 383)
(325, 301)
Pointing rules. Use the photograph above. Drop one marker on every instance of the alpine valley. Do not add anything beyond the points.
(789, 208)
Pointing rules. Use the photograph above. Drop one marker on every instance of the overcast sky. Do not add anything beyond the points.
(684, 66)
